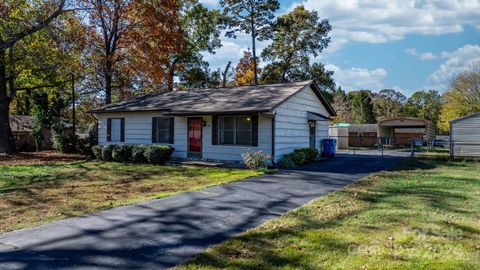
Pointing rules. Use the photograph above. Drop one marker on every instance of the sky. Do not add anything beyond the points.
(406, 45)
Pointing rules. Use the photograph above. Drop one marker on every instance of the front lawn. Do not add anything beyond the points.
(425, 215)
(35, 194)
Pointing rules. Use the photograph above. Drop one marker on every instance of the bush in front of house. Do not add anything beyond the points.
(158, 154)
(97, 152)
(298, 157)
(138, 153)
(310, 153)
(122, 153)
(107, 152)
(286, 162)
(256, 160)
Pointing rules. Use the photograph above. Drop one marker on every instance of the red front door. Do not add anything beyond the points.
(195, 135)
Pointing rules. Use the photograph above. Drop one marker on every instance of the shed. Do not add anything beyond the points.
(465, 136)
(392, 131)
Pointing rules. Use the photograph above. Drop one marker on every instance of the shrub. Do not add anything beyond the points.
(138, 153)
(299, 158)
(255, 160)
(286, 162)
(310, 153)
(97, 152)
(122, 153)
(158, 154)
(107, 152)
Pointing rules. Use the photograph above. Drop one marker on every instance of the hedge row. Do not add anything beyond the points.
(299, 157)
(136, 153)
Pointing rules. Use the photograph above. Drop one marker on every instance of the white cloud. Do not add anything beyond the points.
(358, 78)
(428, 56)
(456, 62)
(378, 21)
(209, 2)
(411, 51)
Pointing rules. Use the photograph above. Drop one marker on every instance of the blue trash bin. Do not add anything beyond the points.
(329, 148)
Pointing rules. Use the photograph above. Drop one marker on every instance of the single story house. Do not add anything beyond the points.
(221, 123)
(465, 136)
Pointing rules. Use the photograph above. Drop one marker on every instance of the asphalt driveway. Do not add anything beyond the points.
(163, 233)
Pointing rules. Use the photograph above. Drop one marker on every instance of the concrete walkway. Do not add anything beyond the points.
(163, 233)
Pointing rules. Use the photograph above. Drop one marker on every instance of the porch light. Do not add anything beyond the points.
(248, 119)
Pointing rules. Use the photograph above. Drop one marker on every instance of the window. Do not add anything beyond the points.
(235, 130)
(115, 129)
(162, 130)
(360, 135)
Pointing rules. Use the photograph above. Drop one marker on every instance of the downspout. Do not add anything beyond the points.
(273, 137)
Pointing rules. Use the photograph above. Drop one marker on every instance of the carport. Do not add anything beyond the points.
(400, 131)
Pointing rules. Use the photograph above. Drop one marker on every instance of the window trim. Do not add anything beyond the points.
(235, 130)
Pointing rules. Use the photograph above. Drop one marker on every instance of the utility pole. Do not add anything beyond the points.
(74, 117)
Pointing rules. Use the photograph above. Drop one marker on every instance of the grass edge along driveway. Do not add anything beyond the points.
(31, 195)
(423, 215)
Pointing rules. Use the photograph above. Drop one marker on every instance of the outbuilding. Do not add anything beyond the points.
(221, 123)
(465, 136)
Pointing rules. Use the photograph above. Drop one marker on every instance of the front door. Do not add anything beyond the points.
(195, 137)
(312, 127)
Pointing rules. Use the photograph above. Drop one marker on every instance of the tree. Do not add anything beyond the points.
(245, 70)
(342, 106)
(424, 104)
(109, 25)
(18, 21)
(198, 75)
(297, 36)
(201, 33)
(362, 107)
(156, 36)
(462, 98)
(389, 104)
(253, 17)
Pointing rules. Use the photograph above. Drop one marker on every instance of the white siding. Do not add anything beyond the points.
(291, 123)
(138, 130)
(466, 137)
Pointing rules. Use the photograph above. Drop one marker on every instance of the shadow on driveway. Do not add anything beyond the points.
(165, 232)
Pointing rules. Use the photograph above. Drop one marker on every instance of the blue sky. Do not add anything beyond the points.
(406, 45)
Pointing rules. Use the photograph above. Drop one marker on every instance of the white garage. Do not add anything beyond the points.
(465, 136)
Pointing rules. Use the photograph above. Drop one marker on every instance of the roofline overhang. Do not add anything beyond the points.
(464, 117)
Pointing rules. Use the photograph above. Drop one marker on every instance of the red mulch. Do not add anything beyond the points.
(32, 158)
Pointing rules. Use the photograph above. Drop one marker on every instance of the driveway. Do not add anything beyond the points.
(163, 233)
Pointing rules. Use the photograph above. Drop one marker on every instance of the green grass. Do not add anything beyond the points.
(36, 194)
(424, 215)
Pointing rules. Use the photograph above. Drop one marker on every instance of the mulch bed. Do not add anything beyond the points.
(32, 158)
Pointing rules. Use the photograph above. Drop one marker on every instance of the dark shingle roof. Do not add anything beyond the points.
(259, 98)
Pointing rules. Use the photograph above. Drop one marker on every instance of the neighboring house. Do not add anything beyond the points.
(362, 135)
(465, 136)
(21, 126)
(222, 123)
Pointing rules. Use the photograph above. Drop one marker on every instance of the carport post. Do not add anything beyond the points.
(411, 148)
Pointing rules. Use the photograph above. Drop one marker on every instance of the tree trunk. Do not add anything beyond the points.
(254, 52)
(170, 77)
(108, 81)
(7, 145)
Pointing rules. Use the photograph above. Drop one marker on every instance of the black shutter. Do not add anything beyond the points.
(214, 130)
(171, 130)
(154, 130)
(109, 129)
(255, 130)
(122, 129)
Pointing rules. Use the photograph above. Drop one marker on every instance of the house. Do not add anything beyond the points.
(221, 123)
(465, 136)
(362, 135)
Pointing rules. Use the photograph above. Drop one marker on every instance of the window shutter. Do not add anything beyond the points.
(109, 129)
(214, 130)
(154, 130)
(255, 130)
(122, 129)
(171, 130)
